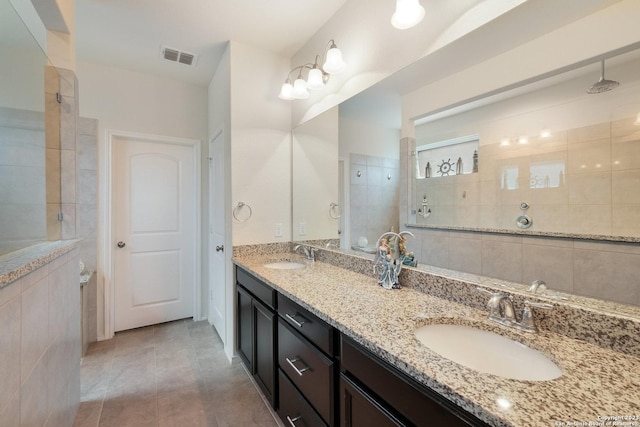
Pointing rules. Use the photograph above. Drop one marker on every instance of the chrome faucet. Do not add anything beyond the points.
(308, 252)
(527, 323)
(501, 311)
(537, 286)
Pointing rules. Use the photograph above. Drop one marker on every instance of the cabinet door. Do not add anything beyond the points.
(245, 328)
(265, 360)
(360, 410)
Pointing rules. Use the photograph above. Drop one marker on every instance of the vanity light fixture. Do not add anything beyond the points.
(408, 14)
(317, 77)
(523, 140)
(545, 133)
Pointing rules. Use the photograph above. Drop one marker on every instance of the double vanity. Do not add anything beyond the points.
(328, 346)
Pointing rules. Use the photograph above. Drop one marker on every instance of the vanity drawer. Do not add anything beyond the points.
(308, 368)
(311, 326)
(294, 409)
(265, 293)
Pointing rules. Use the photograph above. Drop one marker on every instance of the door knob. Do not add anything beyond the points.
(220, 248)
(121, 244)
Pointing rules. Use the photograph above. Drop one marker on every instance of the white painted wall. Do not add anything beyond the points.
(362, 136)
(373, 49)
(126, 100)
(315, 151)
(570, 44)
(32, 21)
(22, 83)
(260, 144)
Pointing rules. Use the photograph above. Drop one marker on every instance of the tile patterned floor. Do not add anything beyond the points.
(174, 374)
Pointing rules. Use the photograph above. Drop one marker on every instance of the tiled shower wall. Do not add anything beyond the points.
(40, 346)
(78, 144)
(87, 221)
(374, 195)
(22, 179)
(598, 269)
(589, 187)
(604, 270)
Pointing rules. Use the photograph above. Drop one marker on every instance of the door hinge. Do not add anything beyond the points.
(58, 97)
(60, 216)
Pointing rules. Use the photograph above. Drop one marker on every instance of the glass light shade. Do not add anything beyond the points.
(286, 91)
(300, 89)
(315, 81)
(408, 14)
(637, 122)
(334, 63)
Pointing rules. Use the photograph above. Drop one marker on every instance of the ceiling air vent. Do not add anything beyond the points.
(175, 55)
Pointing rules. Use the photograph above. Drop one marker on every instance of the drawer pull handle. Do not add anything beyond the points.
(293, 319)
(292, 363)
(292, 421)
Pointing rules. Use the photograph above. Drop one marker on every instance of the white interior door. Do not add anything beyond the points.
(217, 235)
(154, 211)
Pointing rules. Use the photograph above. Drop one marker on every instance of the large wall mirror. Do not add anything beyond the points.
(317, 209)
(554, 156)
(28, 189)
(346, 172)
(567, 160)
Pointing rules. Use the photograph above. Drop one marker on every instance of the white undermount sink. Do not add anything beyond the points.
(487, 352)
(284, 265)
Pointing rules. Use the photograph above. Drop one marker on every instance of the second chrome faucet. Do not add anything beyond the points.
(501, 311)
(308, 252)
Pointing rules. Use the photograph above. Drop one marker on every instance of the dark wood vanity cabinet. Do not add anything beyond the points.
(315, 377)
(256, 330)
(307, 367)
(374, 393)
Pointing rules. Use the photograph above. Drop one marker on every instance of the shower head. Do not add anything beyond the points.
(603, 85)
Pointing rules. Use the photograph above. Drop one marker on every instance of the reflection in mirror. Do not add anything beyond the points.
(316, 209)
(370, 149)
(548, 151)
(571, 156)
(23, 176)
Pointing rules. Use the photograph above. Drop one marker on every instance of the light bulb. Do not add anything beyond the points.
(300, 89)
(334, 63)
(286, 92)
(315, 81)
(408, 14)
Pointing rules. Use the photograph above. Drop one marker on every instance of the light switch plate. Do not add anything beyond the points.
(278, 229)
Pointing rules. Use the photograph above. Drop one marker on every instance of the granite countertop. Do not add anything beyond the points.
(596, 382)
(17, 264)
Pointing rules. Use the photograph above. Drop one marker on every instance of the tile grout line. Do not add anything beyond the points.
(106, 390)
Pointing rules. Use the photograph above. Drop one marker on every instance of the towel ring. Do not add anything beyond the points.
(237, 210)
(333, 207)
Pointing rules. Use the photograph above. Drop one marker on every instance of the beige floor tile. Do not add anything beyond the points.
(173, 374)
